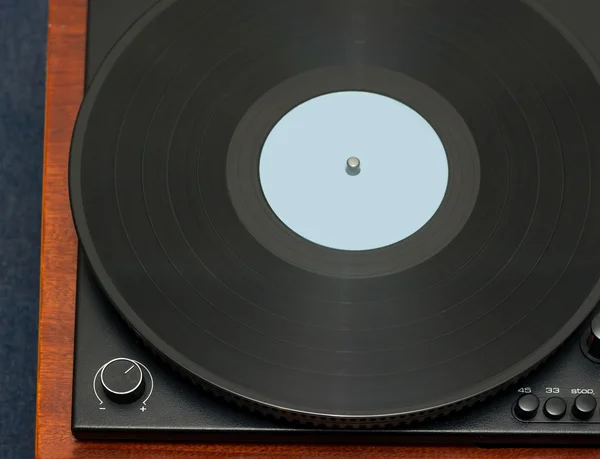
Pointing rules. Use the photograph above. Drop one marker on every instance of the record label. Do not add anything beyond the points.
(354, 170)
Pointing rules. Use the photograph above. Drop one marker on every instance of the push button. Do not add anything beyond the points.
(527, 406)
(584, 406)
(555, 408)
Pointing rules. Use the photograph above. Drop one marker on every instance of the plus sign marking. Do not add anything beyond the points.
(143, 408)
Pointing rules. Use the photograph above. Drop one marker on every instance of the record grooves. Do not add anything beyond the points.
(169, 209)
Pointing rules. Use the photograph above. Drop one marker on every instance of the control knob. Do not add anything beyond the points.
(122, 380)
(591, 342)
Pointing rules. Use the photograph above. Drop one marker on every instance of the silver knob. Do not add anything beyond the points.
(353, 166)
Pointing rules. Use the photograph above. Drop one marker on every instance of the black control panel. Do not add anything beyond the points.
(122, 390)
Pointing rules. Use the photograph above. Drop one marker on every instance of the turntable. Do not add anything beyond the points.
(339, 221)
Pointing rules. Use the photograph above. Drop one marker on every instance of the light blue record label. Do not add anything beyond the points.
(354, 170)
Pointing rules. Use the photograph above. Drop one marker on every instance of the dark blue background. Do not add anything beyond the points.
(23, 27)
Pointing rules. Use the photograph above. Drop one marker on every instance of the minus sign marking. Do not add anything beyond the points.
(102, 408)
(130, 369)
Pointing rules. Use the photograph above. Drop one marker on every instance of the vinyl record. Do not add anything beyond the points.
(174, 207)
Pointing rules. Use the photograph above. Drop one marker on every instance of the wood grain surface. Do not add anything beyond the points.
(66, 54)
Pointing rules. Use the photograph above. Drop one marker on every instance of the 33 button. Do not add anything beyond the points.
(555, 408)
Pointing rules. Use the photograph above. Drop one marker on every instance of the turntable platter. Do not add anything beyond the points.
(194, 251)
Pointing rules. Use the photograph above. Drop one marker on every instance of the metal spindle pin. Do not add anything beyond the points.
(353, 166)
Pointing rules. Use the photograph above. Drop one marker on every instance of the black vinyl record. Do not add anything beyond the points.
(168, 205)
